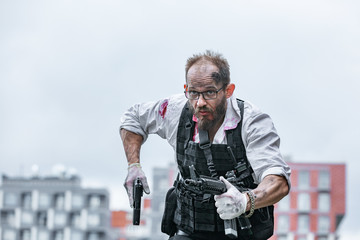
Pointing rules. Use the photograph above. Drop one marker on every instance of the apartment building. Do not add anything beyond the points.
(52, 208)
(315, 206)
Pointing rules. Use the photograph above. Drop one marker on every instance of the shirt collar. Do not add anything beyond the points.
(232, 115)
(231, 120)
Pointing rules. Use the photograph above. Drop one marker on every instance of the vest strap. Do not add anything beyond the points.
(188, 129)
(205, 145)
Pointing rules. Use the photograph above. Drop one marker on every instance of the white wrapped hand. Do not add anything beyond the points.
(232, 203)
(135, 171)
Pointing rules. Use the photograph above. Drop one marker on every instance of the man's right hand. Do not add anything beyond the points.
(135, 171)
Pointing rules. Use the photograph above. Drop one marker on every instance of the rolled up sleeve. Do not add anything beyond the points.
(160, 117)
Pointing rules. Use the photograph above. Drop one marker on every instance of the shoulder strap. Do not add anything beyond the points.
(229, 133)
(187, 124)
(205, 145)
(243, 166)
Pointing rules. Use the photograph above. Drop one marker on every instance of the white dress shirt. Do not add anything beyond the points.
(259, 135)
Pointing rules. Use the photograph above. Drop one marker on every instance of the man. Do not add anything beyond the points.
(240, 135)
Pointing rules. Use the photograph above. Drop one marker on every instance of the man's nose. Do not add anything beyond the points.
(201, 101)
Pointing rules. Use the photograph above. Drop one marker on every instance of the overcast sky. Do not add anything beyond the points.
(69, 69)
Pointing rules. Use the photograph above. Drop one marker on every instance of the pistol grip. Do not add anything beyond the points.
(231, 228)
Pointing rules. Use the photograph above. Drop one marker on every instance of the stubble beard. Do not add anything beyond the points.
(219, 113)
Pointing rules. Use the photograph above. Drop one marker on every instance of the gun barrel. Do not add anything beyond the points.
(138, 192)
(192, 182)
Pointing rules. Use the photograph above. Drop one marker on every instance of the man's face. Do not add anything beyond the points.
(210, 113)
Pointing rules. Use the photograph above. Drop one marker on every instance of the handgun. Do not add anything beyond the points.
(137, 194)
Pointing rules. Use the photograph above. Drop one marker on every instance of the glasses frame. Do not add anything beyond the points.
(202, 93)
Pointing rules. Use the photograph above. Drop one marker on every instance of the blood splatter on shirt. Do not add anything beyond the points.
(163, 108)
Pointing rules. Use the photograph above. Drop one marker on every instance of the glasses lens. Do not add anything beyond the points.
(209, 95)
(192, 95)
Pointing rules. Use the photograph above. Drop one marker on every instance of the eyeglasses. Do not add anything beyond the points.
(207, 95)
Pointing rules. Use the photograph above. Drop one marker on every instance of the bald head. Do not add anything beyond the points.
(203, 62)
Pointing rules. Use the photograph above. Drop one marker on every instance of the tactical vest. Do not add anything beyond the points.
(196, 214)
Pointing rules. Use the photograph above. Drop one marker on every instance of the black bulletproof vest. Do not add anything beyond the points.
(196, 214)
(189, 153)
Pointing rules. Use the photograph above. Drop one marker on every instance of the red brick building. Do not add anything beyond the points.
(315, 206)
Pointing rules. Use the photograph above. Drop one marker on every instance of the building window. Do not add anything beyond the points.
(44, 200)
(10, 200)
(93, 219)
(94, 201)
(283, 223)
(8, 218)
(59, 201)
(324, 202)
(323, 224)
(75, 219)
(76, 235)
(303, 223)
(94, 236)
(58, 235)
(304, 179)
(60, 219)
(9, 234)
(26, 218)
(41, 218)
(43, 234)
(25, 234)
(282, 237)
(77, 201)
(322, 238)
(284, 204)
(26, 200)
(324, 180)
(303, 202)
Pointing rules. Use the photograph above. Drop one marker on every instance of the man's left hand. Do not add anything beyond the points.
(232, 203)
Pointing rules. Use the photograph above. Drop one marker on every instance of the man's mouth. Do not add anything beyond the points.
(202, 113)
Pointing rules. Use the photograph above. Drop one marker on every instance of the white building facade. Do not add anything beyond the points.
(52, 208)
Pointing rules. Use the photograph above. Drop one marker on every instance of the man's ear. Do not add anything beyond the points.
(230, 90)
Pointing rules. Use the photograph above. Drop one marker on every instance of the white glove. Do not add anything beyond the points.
(135, 171)
(232, 203)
